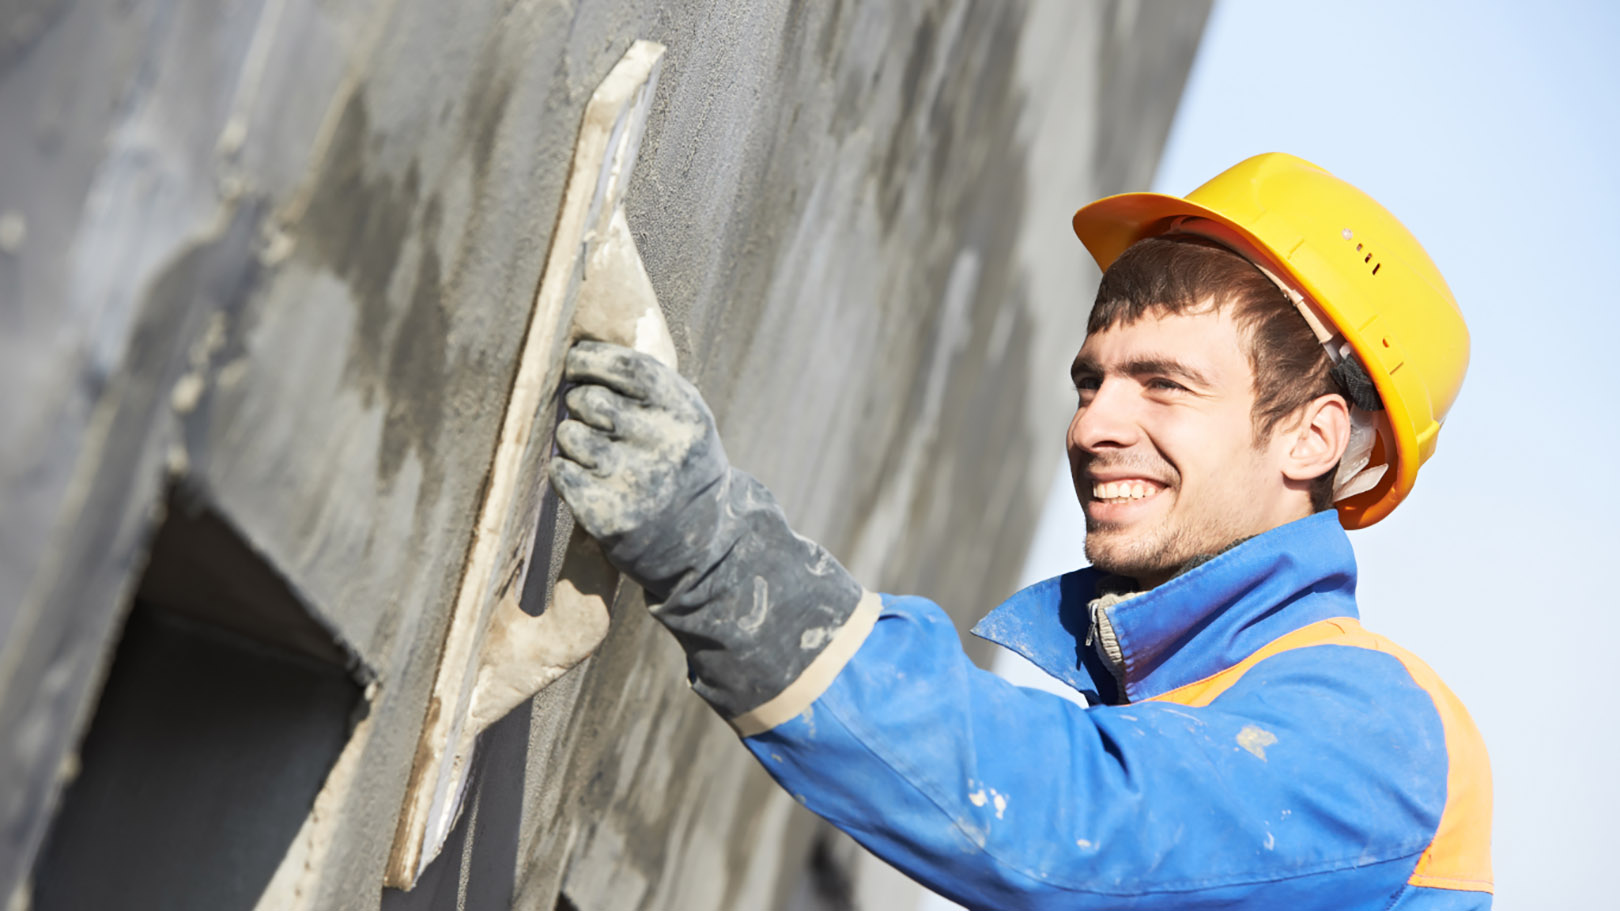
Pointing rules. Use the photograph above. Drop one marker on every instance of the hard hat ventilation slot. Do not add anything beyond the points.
(1361, 248)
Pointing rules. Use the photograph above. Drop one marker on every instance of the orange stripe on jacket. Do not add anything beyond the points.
(1459, 857)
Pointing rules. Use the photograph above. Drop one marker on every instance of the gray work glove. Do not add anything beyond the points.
(641, 465)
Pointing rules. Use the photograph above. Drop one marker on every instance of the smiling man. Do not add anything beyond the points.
(1266, 365)
(1190, 433)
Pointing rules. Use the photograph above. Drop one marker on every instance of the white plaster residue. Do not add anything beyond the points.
(652, 336)
(901, 490)
(824, 564)
(762, 606)
(231, 374)
(1083, 843)
(187, 392)
(13, 230)
(978, 798)
(816, 638)
(1255, 739)
(1000, 801)
(232, 136)
(1271, 841)
(177, 462)
(1180, 714)
(275, 245)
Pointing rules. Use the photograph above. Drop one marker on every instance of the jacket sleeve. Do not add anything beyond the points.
(1316, 781)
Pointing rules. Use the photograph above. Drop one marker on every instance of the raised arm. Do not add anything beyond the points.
(868, 711)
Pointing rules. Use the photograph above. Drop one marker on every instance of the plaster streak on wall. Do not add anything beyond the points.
(897, 500)
(854, 215)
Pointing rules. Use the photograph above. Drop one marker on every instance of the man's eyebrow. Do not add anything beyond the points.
(1142, 366)
(1166, 366)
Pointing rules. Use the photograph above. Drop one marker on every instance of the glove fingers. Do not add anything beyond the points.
(599, 407)
(580, 491)
(586, 446)
(623, 370)
(568, 479)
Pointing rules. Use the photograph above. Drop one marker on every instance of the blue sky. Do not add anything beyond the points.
(1491, 130)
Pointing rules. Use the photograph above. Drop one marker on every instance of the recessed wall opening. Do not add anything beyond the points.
(226, 705)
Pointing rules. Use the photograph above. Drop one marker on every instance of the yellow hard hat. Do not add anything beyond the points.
(1359, 267)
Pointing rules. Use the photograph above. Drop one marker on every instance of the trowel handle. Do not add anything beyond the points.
(522, 654)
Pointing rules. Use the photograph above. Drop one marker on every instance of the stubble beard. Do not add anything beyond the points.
(1143, 555)
(1156, 552)
(1122, 550)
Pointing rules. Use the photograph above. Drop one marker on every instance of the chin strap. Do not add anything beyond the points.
(1367, 422)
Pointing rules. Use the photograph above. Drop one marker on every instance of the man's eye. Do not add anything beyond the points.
(1167, 385)
(1086, 384)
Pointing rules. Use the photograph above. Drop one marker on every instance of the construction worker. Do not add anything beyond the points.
(1267, 364)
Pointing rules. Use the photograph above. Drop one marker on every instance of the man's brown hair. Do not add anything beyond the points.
(1185, 274)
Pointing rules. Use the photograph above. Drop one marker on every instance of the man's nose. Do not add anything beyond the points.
(1107, 421)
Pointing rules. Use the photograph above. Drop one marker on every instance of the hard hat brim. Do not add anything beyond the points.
(1111, 224)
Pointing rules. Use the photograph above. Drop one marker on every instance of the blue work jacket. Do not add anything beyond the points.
(1259, 750)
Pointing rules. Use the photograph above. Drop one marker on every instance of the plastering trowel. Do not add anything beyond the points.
(495, 655)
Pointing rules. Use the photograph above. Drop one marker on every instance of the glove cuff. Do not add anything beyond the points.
(770, 618)
(816, 676)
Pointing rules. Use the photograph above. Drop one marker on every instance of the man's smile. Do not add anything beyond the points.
(1121, 500)
(1125, 489)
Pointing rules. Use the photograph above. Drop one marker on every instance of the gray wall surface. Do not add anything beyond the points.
(264, 271)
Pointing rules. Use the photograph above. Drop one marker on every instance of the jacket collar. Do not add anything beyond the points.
(1195, 625)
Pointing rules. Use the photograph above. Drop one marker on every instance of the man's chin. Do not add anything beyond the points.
(1118, 553)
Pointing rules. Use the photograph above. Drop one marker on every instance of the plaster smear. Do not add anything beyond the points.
(1255, 739)
(983, 796)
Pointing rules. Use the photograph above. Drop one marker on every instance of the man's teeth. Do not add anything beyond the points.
(1122, 490)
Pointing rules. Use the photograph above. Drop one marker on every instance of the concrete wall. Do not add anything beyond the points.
(264, 269)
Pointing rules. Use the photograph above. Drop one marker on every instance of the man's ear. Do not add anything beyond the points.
(1317, 440)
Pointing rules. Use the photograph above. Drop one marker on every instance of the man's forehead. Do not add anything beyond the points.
(1206, 341)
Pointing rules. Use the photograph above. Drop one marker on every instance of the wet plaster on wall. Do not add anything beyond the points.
(875, 222)
(357, 227)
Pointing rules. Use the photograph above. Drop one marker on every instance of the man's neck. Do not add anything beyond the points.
(1150, 582)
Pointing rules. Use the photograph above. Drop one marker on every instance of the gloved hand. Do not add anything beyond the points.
(638, 453)
(641, 465)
